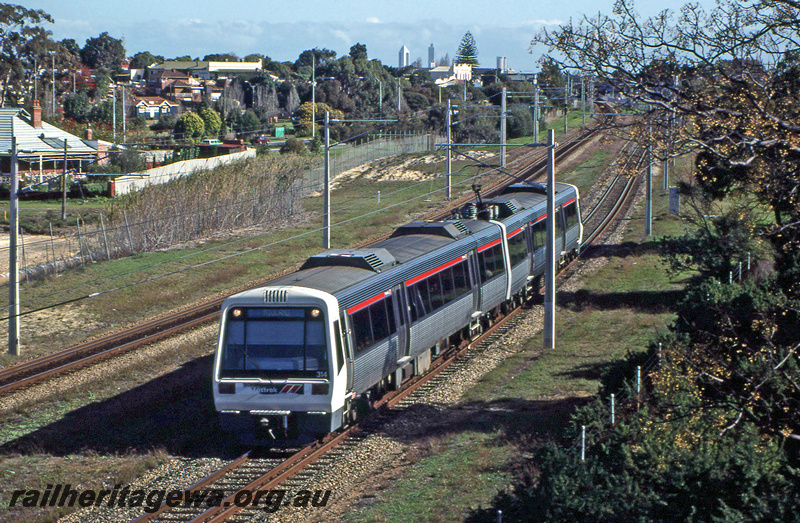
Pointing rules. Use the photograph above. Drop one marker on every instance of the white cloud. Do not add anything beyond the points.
(373, 20)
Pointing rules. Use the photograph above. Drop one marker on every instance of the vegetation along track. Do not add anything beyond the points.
(529, 166)
(241, 479)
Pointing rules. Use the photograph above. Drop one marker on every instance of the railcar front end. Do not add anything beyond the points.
(279, 373)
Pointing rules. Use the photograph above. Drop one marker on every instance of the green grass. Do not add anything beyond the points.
(530, 396)
(470, 468)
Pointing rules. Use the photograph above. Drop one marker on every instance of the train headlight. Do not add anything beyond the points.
(237, 313)
(315, 313)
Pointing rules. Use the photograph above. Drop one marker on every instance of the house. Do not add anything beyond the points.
(455, 74)
(153, 107)
(207, 70)
(41, 147)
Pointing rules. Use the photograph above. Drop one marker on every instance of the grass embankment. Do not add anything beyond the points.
(177, 277)
(530, 396)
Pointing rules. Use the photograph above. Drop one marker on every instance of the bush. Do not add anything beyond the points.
(293, 146)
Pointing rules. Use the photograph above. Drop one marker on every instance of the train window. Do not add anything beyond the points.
(461, 279)
(414, 303)
(571, 215)
(425, 297)
(373, 323)
(448, 286)
(362, 330)
(438, 290)
(539, 234)
(380, 324)
(559, 224)
(337, 333)
(517, 248)
(491, 263)
(435, 291)
(390, 314)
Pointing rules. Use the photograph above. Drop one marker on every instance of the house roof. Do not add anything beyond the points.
(46, 141)
(154, 100)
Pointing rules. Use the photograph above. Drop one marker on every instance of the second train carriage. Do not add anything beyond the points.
(301, 357)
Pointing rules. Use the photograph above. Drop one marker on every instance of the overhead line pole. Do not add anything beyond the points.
(550, 248)
(13, 268)
(503, 117)
(64, 185)
(448, 193)
(326, 226)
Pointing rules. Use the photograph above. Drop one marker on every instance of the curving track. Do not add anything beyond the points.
(235, 478)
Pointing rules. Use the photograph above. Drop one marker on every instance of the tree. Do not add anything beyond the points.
(222, 57)
(77, 106)
(104, 112)
(467, 51)
(211, 121)
(189, 126)
(739, 117)
(293, 146)
(103, 52)
(166, 122)
(22, 39)
(144, 59)
(248, 122)
(322, 56)
(358, 51)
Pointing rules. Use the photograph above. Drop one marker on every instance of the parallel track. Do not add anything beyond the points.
(386, 408)
(38, 369)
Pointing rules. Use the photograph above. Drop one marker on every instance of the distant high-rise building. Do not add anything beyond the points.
(431, 57)
(502, 64)
(405, 57)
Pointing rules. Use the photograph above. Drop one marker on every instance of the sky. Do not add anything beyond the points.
(282, 30)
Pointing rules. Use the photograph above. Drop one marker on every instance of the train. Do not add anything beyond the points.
(312, 351)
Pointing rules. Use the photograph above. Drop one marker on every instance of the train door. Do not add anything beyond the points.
(475, 281)
(348, 348)
(402, 320)
(560, 240)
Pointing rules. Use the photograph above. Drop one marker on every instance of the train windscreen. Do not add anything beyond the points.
(266, 342)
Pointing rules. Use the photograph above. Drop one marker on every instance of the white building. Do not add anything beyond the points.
(455, 74)
(405, 57)
(431, 57)
(502, 65)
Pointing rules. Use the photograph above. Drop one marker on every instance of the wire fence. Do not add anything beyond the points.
(181, 218)
(372, 147)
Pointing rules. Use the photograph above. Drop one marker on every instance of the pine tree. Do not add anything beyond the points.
(467, 51)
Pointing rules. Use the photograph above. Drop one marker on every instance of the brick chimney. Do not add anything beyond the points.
(88, 133)
(36, 111)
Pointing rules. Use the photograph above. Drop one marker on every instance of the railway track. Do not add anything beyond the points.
(39, 369)
(241, 479)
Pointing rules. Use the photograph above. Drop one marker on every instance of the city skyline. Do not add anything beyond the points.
(282, 31)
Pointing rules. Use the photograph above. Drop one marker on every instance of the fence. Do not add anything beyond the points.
(348, 156)
(266, 202)
(157, 175)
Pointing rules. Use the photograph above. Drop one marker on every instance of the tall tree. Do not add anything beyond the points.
(726, 79)
(322, 56)
(222, 57)
(144, 59)
(358, 51)
(22, 39)
(103, 52)
(467, 51)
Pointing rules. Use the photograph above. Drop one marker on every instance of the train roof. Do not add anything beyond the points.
(427, 242)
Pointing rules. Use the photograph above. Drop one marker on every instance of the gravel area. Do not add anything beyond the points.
(87, 377)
